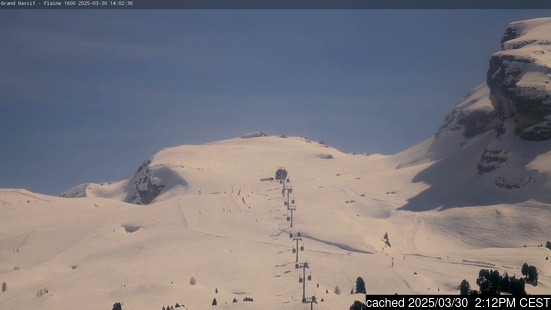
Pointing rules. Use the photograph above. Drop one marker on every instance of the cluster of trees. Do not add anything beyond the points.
(215, 302)
(41, 292)
(360, 289)
(530, 273)
(358, 305)
(491, 282)
(548, 245)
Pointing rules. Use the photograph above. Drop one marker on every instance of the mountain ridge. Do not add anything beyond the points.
(515, 101)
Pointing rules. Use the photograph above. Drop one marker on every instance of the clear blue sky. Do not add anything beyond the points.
(86, 96)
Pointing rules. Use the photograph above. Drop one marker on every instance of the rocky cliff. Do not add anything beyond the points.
(495, 145)
(519, 78)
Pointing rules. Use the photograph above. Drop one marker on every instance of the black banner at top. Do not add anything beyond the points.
(275, 4)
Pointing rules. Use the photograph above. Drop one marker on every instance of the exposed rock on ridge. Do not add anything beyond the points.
(150, 181)
(472, 115)
(519, 78)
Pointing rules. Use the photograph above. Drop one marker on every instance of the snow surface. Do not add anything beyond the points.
(221, 221)
(477, 99)
(533, 31)
(228, 230)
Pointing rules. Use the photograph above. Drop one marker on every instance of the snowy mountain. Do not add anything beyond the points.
(475, 195)
(519, 77)
(494, 147)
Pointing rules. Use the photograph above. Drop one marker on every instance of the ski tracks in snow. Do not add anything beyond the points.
(411, 232)
(184, 220)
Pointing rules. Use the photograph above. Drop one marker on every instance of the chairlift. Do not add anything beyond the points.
(288, 219)
(298, 234)
(291, 235)
(309, 277)
(288, 180)
(293, 201)
(302, 248)
(294, 250)
(299, 279)
(296, 266)
(285, 203)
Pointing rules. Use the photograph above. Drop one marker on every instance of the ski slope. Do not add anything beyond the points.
(229, 230)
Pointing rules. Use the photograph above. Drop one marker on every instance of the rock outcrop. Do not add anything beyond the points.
(495, 145)
(519, 78)
(150, 181)
(473, 115)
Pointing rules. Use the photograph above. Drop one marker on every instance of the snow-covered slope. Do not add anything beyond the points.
(472, 116)
(219, 166)
(227, 227)
(494, 146)
(476, 195)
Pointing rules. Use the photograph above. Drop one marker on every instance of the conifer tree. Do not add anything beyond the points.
(533, 275)
(464, 287)
(504, 283)
(524, 270)
(358, 305)
(360, 286)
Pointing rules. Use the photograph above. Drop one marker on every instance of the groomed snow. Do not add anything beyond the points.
(229, 231)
